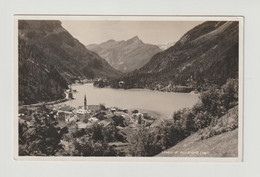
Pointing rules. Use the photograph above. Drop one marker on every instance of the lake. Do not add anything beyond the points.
(163, 103)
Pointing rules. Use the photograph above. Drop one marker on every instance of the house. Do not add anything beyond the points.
(112, 110)
(121, 83)
(83, 114)
(138, 117)
(105, 122)
(145, 115)
(72, 118)
(93, 119)
(63, 115)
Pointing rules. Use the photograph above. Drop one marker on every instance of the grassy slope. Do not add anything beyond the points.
(223, 145)
(220, 139)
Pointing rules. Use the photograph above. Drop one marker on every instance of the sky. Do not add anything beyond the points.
(152, 32)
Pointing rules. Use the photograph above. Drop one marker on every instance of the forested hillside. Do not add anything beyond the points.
(50, 59)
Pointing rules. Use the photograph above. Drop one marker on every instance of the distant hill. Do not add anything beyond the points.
(127, 55)
(166, 46)
(50, 59)
(207, 54)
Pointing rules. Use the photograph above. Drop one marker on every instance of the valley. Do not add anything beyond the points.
(127, 97)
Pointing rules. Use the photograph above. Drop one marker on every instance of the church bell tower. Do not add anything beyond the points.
(85, 102)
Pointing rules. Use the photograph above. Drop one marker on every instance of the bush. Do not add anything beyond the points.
(213, 104)
(144, 142)
(135, 111)
(119, 120)
(102, 107)
(230, 93)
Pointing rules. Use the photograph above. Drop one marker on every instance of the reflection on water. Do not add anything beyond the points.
(164, 103)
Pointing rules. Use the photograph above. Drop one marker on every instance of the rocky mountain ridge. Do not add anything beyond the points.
(126, 55)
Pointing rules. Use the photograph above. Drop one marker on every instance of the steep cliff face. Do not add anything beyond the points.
(207, 54)
(50, 58)
(126, 55)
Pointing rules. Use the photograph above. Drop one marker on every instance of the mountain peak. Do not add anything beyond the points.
(135, 39)
(126, 55)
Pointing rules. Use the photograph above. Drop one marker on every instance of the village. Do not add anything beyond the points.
(85, 116)
(88, 114)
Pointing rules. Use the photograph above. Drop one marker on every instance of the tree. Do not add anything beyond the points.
(211, 101)
(230, 93)
(144, 142)
(42, 136)
(94, 142)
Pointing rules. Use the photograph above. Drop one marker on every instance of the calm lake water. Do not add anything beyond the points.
(164, 103)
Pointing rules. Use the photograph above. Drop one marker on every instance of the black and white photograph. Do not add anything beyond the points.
(163, 87)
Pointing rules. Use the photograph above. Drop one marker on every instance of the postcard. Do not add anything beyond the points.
(128, 88)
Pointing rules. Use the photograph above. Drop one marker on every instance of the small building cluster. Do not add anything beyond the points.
(68, 114)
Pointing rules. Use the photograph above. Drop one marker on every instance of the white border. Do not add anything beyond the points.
(127, 18)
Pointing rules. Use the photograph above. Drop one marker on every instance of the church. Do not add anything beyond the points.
(84, 113)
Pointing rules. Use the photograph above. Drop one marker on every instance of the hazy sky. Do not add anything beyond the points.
(153, 32)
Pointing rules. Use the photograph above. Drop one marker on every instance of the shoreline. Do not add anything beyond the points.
(44, 103)
(150, 89)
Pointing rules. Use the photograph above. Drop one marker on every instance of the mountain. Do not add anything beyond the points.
(50, 59)
(165, 46)
(127, 55)
(205, 55)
